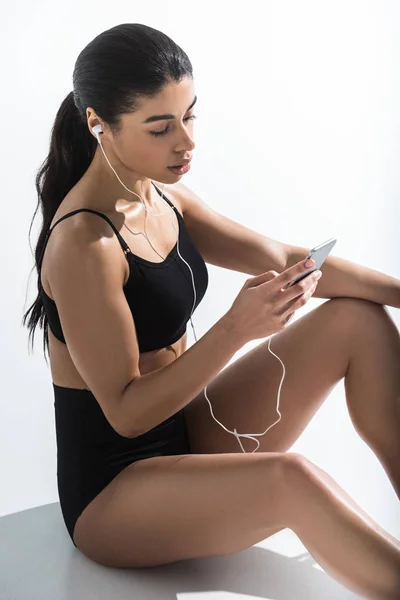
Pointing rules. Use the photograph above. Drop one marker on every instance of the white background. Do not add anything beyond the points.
(297, 137)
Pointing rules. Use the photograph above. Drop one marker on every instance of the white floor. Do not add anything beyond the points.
(39, 562)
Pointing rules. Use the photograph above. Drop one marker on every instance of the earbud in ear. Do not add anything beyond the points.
(97, 129)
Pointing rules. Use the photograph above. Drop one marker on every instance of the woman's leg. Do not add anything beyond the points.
(372, 386)
(345, 338)
(341, 537)
(166, 509)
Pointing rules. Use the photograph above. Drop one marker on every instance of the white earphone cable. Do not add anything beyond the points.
(98, 129)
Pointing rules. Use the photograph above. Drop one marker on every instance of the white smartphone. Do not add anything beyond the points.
(318, 254)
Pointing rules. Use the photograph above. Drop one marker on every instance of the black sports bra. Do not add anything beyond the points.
(160, 295)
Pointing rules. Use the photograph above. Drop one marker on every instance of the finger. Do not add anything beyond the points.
(291, 273)
(297, 298)
(287, 319)
(302, 287)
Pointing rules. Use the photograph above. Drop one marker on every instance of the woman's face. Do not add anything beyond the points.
(147, 147)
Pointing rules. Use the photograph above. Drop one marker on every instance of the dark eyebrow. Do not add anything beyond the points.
(167, 116)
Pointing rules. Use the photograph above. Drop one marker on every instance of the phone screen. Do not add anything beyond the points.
(318, 254)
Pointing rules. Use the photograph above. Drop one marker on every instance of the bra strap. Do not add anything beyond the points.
(165, 198)
(121, 240)
(124, 245)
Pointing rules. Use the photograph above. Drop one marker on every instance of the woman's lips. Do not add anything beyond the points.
(180, 170)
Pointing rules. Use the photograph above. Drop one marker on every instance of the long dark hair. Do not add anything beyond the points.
(112, 74)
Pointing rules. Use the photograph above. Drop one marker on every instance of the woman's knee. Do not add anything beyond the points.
(297, 474)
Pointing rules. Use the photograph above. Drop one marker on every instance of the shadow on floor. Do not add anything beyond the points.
(39, 562)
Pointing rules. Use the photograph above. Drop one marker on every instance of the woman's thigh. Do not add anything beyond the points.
(315, 350)
(169, 508)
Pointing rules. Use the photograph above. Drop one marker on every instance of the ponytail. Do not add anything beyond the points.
(72, 148)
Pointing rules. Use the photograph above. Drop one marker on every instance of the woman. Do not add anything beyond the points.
(145, 475)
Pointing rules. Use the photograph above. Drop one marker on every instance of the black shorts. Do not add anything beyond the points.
(90, 453)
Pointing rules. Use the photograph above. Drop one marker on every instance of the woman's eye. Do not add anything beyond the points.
(167, 129)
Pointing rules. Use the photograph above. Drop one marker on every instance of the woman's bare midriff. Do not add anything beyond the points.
(63, 370)
(65, 374)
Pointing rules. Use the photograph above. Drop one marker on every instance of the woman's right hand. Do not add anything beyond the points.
(264, 307)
